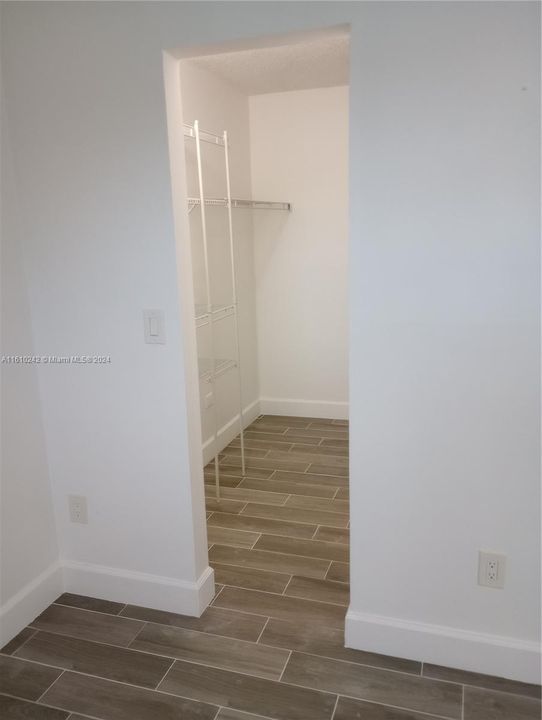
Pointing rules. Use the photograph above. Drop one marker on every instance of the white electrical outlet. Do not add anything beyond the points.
(491, 569)
(78, 509)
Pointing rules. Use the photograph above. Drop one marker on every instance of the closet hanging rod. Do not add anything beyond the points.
(243, 204)
(204, 135)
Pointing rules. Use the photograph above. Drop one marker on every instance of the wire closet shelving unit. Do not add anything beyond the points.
(208, 314)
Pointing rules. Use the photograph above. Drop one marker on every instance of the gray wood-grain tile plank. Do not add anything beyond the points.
(489, 682)
(325, 469)
(306, 548)
(313, 517)
(10, 647)
(328, 642)
(16, 709)
(246, 495)
(316, 503)
(260, 525)
(250, 578)
(225, 480)
(225, 506)
(300, 454)
(231, 714)
(251, 440)
(285, 421)
(294, 488)
(212, 650)
(314, 478)
(228, 623)
(267, 432)
(232, 463)
(87, 603)
(339, 571)
(331, 432)
(483, 704)
(264, 560)
(228, 536)
(236, 473)
(113, 663)
(382, 686)
(87, 625)
(250, 452)
(115, 701)
(335, 535)
(281, 607)
(350, 709)
(221, 687)
(25, 679)
(321, 590)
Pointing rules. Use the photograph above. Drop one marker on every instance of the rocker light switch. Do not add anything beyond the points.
(154, 326)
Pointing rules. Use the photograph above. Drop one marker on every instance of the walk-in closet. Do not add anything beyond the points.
(265, 142)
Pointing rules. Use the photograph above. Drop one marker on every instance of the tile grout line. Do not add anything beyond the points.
(51, 685)
(138, 633)
(241, 672)
(255, 541)
(287, 584)
(288, 555)
(34, 632)
(212, 603)
(257, 641)
(285, 666)
(335, 707)
(54, 707)
(164, 675)
(286, 537)
(288, 597)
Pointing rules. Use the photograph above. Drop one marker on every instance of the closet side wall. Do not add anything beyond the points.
(299, 151)
(218, 107)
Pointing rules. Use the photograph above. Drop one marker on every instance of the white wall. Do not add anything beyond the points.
(218, 106)
(445, 333)
(299, 152)
(28, 541)
(443, 300)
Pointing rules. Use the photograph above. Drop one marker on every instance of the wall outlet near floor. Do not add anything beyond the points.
(491, 569)
(78, 509)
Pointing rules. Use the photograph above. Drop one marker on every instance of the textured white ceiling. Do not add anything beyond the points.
(313, 63)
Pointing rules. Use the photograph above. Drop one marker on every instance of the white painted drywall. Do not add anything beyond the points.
(444, 301)
(444, 331)
(299, 153)
(28, 540)
(218, 106)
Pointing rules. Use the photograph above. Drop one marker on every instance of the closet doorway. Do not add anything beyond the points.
(266, 161)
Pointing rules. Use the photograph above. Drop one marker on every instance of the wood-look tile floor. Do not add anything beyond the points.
(271, 643)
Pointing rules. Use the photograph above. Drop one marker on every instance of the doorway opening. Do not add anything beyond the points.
(265, 163)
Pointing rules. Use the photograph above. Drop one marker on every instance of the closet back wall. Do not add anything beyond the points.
(218, 106)
(299, 153)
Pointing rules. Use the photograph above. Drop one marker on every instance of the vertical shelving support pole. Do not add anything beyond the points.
(235, 313)
(209, 304)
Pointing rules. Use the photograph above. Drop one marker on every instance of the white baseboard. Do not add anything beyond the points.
(29, 602)
(137, 588)
(304, 408)
(441, 645)
(230, 430)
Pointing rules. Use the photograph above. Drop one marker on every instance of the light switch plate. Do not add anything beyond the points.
(154, 327)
